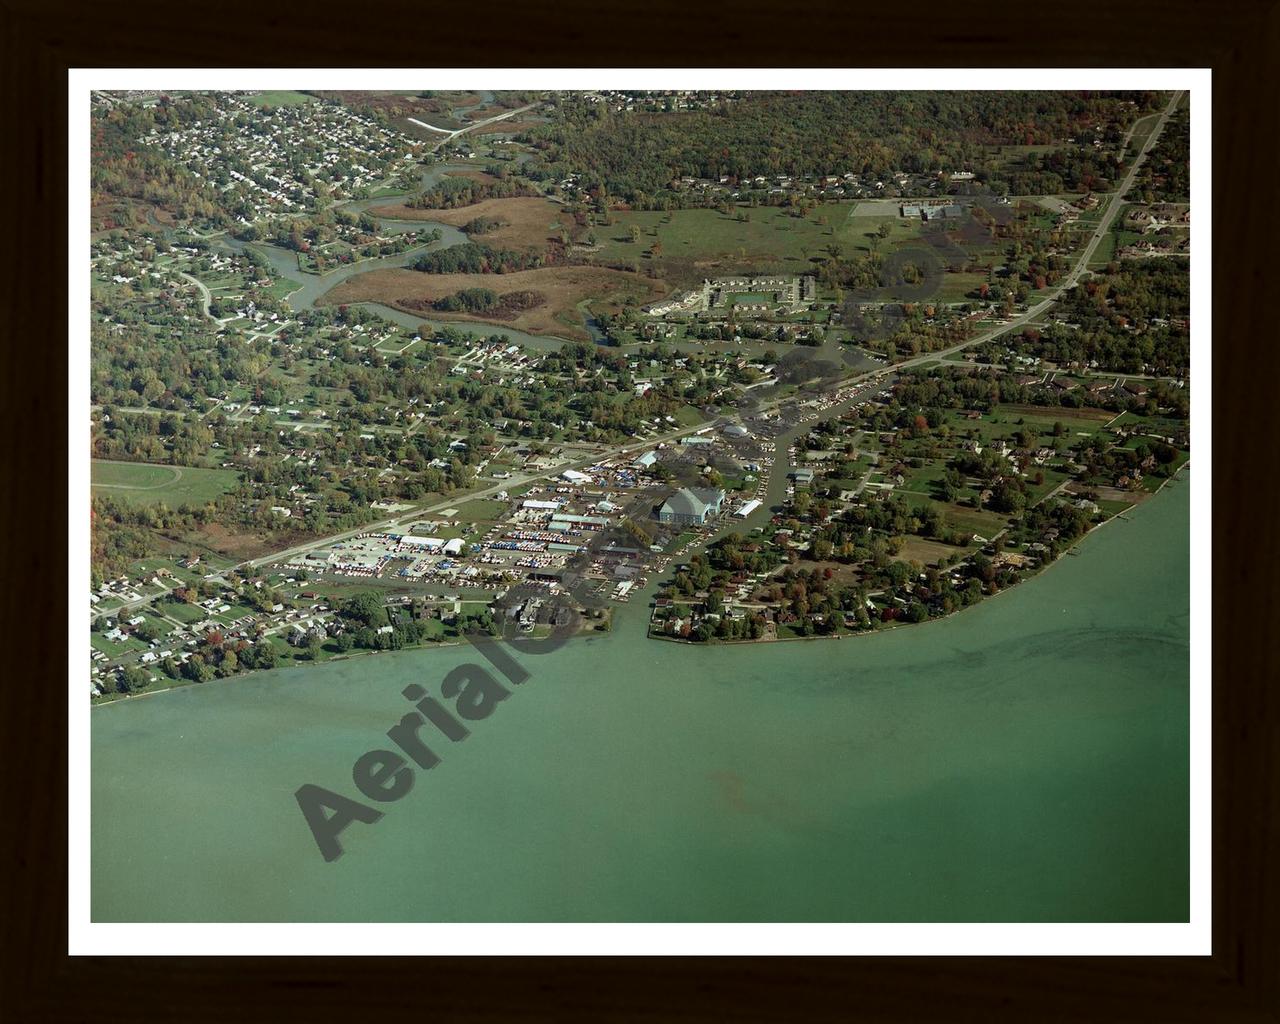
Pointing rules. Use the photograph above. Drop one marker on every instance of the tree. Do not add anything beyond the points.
(197, 669)
(265, 655)
(230, 663)
(132, 679)
(364, 608)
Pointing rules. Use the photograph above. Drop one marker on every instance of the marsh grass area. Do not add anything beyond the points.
(641, 256)
(526, 221)
(561, 289)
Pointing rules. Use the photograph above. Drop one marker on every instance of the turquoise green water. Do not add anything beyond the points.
(1025, 760)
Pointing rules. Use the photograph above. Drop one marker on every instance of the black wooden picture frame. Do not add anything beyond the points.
(1239, 40)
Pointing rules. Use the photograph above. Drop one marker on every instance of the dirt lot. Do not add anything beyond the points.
(530, 220)
(841, 574)
(1119, 494)
(562, 287)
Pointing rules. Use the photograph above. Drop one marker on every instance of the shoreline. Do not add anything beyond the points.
(124, 698)
(595, 634)
(649, 635)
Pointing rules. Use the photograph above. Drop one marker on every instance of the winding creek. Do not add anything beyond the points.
(313, 286)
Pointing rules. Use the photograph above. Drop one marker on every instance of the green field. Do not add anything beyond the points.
(183, 612)
(1114, 508)
(985, 524)
(142, 483)
(281, 98)
(1076, 419)
(688, 416)
(114, 649)
(1008, 420)
(481, 510)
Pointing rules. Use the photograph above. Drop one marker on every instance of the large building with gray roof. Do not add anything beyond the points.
(691, 506)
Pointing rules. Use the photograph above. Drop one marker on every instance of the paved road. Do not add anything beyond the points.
(206, 299)
(1033, 313)
(451, 135)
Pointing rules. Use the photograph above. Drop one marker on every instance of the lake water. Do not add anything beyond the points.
(1025, 760)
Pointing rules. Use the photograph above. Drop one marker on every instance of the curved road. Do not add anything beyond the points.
(449, 135)
(1114, 203)
(206, 298)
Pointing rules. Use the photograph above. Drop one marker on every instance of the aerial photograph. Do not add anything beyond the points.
(639, 506)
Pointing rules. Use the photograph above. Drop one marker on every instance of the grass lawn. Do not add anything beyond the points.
(112, 649)
(1112, 508)
(688, 416)
(1076, 419)
(141, 483)
(183, 612)
(923, 479)
(958, 517)
(680, 540)
(1152, 424)
(926, 552)
(1052, 479)
(237, 611)
(283, 287)
(1037, 421)
(161, 627)
(481, 510)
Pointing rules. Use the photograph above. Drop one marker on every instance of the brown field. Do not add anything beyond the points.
(474, 173)
(530, 220)
(841, 574)
(110, 212)
(562, 287)
(493, 110)
(1119, 494)
(1065, 414)
(218, 538)
(511, 126)
(926, 552)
